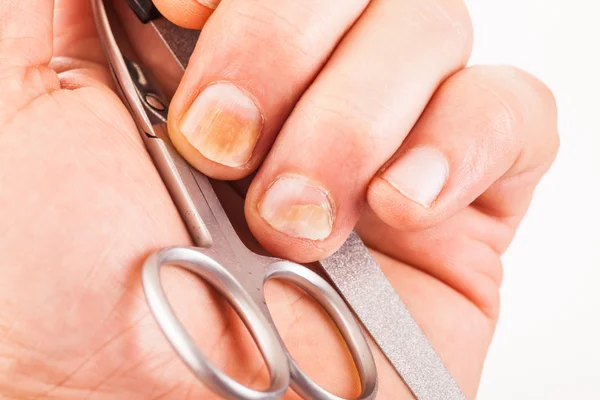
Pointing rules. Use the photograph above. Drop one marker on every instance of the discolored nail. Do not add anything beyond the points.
(420, 174)
(293, 206)
(223, 124)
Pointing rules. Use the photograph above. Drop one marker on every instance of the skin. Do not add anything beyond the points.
(81, 204)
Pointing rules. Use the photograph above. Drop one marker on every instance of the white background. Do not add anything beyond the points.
(547, 345)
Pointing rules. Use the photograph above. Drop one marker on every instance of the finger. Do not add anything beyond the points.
(308, 194)
(191, 14)
(25, 50)
(78, 56)
(486, 138)
(252, 63)
(75, 33)
(25, 32)
(462, 252)
(456, 329)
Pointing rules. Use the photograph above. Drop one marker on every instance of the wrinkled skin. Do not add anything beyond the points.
(81, 206)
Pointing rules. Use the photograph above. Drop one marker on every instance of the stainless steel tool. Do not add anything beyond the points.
(239, 274)
(221, 259)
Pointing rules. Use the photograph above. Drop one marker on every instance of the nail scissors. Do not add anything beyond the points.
(220, 258)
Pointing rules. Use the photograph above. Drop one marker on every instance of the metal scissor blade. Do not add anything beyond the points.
(190, 190)
(364, 287)
(149, 110)
(181, 42)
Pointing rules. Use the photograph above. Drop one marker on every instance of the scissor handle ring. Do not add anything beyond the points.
(193, 260)
(332, 302)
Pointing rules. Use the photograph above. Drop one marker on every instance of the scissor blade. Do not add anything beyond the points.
(181, 42)
(365, 288)
(149, 110)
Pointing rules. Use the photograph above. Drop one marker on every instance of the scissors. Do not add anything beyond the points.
(220, 258)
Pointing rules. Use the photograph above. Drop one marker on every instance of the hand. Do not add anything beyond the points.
(359, 86)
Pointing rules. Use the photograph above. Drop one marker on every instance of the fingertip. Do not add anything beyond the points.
(204, 165)
(191, 14)
(284, 246)
(294, 219)
(405, 193)
(218, 130)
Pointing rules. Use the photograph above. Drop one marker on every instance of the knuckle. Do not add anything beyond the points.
(450, 22)
(490, 86)
(262, 25)
(518, 93)
(351, 131)
(501, 104)
(520, 108)
(538, 91)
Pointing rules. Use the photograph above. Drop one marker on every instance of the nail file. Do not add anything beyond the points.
(361, 282)
(370, 295)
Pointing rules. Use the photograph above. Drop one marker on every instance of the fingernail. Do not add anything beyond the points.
(297, 208)
(420, 174)
(212, 4)
(223, 124)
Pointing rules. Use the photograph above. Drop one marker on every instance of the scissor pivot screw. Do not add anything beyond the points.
(154, 102)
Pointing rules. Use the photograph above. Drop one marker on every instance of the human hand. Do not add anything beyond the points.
(81, 204)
